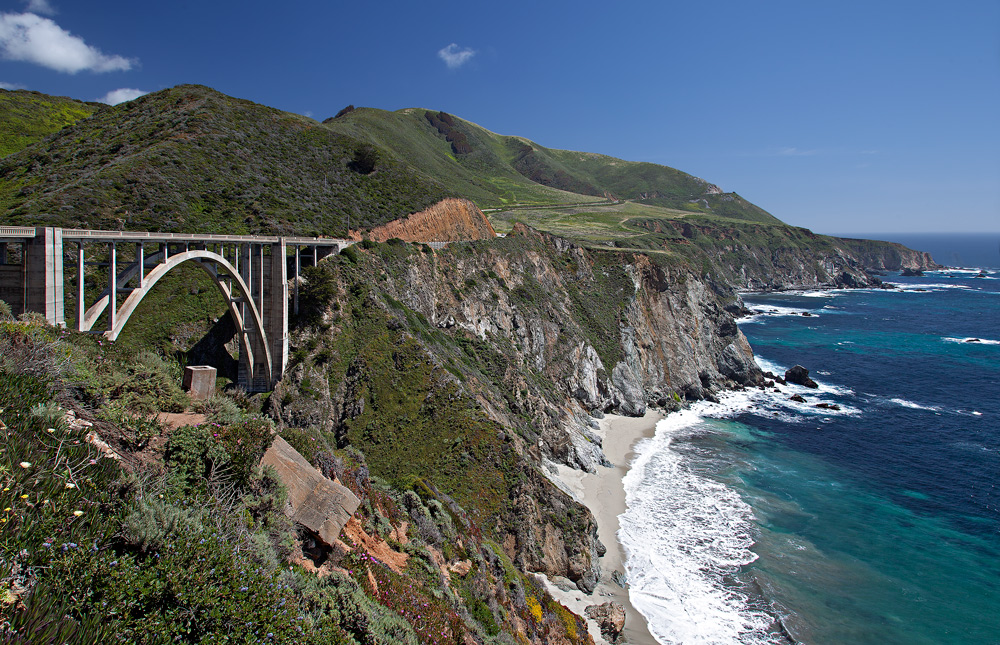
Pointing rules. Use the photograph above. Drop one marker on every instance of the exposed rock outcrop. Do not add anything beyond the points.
(610, 616)
(449, 220)
(800, 376)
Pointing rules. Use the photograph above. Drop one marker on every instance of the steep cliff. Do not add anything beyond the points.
(488, 358)
(775, 257)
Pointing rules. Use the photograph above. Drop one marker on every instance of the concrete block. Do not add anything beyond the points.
(321, 505)
(199, 381)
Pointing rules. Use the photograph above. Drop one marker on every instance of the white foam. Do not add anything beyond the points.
(814, 294)
(920, 287)
(970, 270)
(971, 341)
(683, 534)
(915, 406)
(761, 311)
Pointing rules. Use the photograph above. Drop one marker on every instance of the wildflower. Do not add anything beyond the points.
(7, 510)
(25, 464)
(78, 513)
(50, 430)
(24, 497)
(70, 485)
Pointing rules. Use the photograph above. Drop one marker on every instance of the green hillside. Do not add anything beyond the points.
(29, 117)
(191, 159)
(498, 171)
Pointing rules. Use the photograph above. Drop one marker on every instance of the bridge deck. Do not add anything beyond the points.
(83, 235)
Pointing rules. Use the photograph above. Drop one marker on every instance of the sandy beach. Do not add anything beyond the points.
(604, 495)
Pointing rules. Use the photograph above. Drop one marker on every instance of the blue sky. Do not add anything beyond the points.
(840, 117)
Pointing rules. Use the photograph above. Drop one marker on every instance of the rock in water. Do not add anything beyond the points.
(611, 618)
(800, 375)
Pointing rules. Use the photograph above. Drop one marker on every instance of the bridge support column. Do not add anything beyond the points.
(43, 275)
(276, 310)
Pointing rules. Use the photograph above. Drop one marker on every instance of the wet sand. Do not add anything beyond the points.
(604, 494)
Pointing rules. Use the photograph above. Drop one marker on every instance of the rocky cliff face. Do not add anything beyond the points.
(758, 257)
(538, 335)
(449, 220)
(887, 256)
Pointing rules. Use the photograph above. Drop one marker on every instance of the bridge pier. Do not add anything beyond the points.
(34, 285)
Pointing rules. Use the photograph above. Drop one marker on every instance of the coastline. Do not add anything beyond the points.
(604, 494)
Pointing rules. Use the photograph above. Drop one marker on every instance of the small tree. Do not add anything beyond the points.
(366, 159)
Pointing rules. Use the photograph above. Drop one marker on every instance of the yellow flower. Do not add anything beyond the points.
(78, 513)
(7, 510)
(24, 497)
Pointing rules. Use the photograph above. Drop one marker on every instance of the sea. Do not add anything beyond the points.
(875, 520)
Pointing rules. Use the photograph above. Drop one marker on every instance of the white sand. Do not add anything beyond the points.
(604, 494)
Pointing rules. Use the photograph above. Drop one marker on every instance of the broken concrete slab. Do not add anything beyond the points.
(321, 505)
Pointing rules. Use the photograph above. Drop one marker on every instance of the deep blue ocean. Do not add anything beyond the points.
(764, 520)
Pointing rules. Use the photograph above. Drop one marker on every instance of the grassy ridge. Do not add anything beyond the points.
(498, 171)
(29, 117)
(191, 159)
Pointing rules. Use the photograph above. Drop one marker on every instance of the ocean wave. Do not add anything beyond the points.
(971, 341)
(772, 311)
(916, 406)
(825, 293)
(684, 535)
(969, 270)
(920, 287)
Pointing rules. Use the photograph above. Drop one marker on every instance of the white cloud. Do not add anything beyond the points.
(11, 86)
(795, 152)
(454, 56)
(41, 6)
(33, 39)
(114, 97)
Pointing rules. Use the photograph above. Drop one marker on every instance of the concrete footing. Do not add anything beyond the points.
(199, 381)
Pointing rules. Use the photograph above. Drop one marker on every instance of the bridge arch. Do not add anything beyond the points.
(248, 319)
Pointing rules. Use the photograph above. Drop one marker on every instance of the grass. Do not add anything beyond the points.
(29, 117)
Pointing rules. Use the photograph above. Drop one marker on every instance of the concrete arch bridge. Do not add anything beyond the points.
(251, 272)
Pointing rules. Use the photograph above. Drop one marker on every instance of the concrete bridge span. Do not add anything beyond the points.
(251, 272)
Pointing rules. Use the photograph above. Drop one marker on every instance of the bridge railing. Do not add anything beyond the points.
(17, 231)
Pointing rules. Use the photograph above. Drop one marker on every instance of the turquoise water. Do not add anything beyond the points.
(765, 520)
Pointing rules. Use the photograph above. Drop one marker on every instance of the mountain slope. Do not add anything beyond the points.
(499, 171)
(29, 117)
(192, 159)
